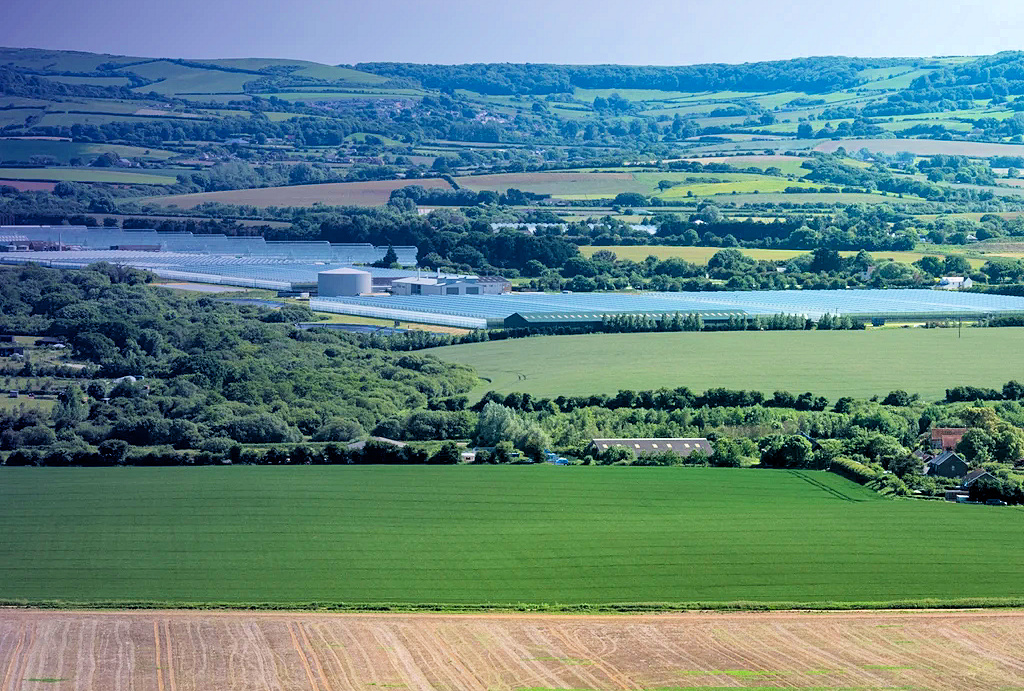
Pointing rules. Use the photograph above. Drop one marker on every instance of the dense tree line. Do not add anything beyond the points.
(659, 399)
(802, 74)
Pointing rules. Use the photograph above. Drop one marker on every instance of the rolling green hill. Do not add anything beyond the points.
(562, 131)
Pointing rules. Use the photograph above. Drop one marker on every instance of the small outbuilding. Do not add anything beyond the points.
(947, 438)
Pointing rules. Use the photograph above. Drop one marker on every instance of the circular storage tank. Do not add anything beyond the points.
(343, 282)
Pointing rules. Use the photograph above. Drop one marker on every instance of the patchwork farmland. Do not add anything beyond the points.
(149, 651)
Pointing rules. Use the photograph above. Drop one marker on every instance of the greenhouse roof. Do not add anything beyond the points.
(483, 309)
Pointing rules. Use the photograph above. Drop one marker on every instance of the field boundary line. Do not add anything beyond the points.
(159, 669)
(14, 658)
(521, 608)
(825, 488)
(302, 658)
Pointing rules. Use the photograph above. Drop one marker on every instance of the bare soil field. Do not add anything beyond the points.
(375, 193)
(191, 651)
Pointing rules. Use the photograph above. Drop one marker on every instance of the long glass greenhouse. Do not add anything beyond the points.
(249, 262)
(482, 311)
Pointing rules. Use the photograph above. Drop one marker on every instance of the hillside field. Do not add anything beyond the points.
(86, 175)
(481, 535)
(827, 363)
(24, 149)
(375, 193)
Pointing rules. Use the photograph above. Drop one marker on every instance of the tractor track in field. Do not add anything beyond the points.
(209, 651)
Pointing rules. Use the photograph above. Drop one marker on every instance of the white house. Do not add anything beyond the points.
(954, 283)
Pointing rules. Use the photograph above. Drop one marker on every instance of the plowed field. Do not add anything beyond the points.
(186, 651)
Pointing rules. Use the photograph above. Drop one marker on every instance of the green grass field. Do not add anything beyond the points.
(489, 535)
(45, 405)
(828, 363)
(609, 182)
(85, 175)
(819, 198)
(738, 183)
(701, 255)
(22, 150)
(790, 165)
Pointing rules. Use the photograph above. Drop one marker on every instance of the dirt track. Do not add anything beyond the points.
(182, 651)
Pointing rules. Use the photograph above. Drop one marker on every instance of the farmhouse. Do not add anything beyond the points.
(954, 283)
(946, 464)
(680, 447)
(947, 438)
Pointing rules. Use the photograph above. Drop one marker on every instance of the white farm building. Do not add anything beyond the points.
(452, 285)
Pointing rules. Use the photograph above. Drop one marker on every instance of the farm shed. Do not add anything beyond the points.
(679, 446)
(946, 464)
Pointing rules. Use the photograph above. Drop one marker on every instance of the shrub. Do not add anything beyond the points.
(852, 470)
(339, 429)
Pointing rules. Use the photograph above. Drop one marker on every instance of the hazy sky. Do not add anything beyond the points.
(660, 32)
